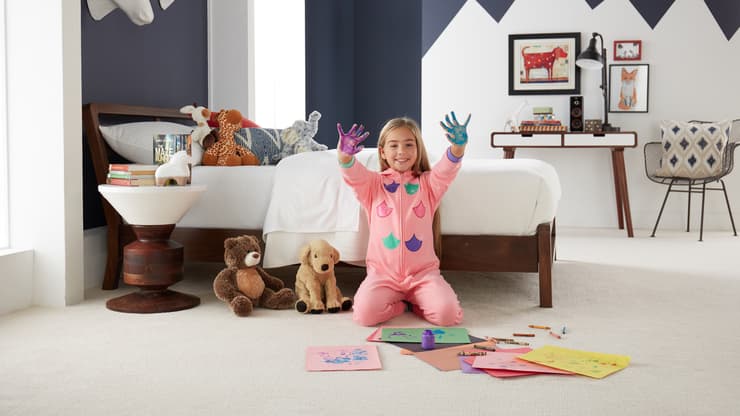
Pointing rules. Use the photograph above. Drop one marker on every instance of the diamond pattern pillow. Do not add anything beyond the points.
(692, 150)
(264, 143)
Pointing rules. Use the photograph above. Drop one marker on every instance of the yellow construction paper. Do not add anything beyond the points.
(592, 364)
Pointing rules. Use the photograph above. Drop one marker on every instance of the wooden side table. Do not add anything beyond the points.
(616, 141)
(153, 262)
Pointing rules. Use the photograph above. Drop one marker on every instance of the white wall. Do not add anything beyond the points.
(693, 74)
(43, 55)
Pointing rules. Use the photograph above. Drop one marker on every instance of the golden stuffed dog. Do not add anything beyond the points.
(315, 282)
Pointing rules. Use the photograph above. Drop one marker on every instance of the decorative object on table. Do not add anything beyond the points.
(243, 284)
(543, 63)
(576, 113)
(592, 125)
(166, 145)
(542, 120)
(627, 50)
(593, 58)
(200, 115)
(512, 120)
(131, 174)
(690, 156)
(315, 281)
(175, 171)
(226, 152)
(629, 88)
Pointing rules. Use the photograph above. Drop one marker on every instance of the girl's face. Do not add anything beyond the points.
(400, 150)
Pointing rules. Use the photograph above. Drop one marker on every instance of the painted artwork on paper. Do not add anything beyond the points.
(342, 358)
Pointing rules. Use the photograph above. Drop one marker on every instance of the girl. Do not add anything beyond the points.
(401, 203)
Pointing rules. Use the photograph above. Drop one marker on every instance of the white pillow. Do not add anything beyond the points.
(134, 140)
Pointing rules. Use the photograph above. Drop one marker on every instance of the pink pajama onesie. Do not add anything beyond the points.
(401, 263)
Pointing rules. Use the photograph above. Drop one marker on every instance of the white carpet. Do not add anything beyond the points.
(670, 302)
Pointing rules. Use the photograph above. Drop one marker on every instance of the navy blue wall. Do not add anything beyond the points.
(162, 64)
(363, 63)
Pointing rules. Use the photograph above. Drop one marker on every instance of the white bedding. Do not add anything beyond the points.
(236, 197)
(488, 197)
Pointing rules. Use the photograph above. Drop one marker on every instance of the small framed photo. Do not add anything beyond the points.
(628, 88)
(627, 50)
(544, 63)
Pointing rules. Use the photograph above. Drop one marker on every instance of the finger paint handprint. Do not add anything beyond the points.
(456, 133)
(349, 143)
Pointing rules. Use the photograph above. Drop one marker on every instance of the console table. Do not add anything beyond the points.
(616, 141)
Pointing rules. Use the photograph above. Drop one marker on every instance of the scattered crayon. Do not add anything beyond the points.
(499, 339)
(471, 354)
(539, 327)
(512, 342)
(564, 330)
(520, 334)
(484, 347)
(556, 335)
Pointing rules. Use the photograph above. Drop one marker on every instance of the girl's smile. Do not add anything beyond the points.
(400, 150)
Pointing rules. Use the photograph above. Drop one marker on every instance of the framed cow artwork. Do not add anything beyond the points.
(544, 63)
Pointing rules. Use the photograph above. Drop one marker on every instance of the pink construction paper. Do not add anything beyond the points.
(344, 358)
(508, 361)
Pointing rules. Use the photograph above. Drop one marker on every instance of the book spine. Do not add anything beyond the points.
(131, 167)
(131, 175)
(130, 182)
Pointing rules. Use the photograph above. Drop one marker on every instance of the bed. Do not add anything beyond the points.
(498, 215)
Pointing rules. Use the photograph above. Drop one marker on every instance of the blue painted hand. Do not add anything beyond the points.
(456, 133)
(349, 142)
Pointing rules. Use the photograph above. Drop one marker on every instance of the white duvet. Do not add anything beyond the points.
(489, 197)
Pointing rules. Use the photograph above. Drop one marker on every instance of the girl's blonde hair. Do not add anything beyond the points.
(421, 165)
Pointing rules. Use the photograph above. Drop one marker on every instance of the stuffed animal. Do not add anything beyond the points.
(298, 138)
(174, 170)
(200, 115)
(243, 284)
(315, 282)
(225, 152)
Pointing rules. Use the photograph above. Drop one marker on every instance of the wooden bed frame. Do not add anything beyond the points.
(487, 253)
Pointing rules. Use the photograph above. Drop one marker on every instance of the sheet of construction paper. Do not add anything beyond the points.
(591, 364)
(467, 368)
(503, 373)
(343, 358)
(509, 361)
(441, 335)
(416, 346)
(444, 359)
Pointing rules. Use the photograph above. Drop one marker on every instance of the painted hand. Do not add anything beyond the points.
(456, 133)
(349, 143)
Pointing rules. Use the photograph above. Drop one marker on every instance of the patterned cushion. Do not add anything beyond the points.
(264, 143)
(692, 150)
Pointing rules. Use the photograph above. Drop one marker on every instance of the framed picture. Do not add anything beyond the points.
(627, 50)
(628, 88)
(544, 63)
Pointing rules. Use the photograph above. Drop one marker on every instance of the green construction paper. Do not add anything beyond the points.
(441, 335)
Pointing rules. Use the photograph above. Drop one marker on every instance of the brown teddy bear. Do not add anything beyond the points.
(315, 282)
(225, 151)
(244, 284)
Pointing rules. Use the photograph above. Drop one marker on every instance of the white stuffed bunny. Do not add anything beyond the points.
(200, 115)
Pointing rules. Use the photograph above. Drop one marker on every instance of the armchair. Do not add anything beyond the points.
(654, 152)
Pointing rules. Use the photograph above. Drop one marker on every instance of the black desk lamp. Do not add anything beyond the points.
(591, 58)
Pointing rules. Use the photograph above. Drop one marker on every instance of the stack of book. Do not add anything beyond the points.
(542, 121)
(131, 174)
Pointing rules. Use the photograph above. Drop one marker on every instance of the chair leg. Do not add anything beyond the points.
(703, 194)
(732, 221)
(688, 211)
(668, 192)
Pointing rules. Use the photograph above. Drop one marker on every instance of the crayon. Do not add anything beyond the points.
(484, 347)
(499, 339)
(556, 335)
(539, 326)
(520, 334)
(471, 354)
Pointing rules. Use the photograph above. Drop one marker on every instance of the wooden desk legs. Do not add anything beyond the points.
(620, 189)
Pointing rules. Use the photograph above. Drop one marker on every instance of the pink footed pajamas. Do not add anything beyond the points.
(401, 263)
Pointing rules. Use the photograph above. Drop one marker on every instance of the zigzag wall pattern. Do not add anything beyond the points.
(437, 14)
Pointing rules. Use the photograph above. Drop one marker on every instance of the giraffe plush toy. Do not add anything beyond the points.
(225, 152)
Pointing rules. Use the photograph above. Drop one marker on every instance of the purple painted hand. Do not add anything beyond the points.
(349, 143)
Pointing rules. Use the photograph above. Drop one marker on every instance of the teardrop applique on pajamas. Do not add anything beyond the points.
(413, 244)
(383, 210)
(391, 242)
(391, 187)
(419, 209)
